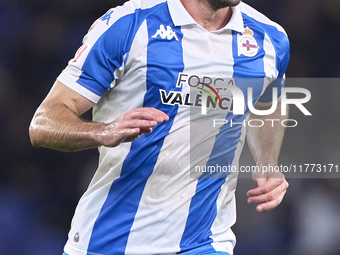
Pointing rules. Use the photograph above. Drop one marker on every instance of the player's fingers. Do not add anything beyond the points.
(260, 181)
(146, 130)
(132, 137)
(122, 135)
(147, 113)
(138, 124)
(136, 129)
(266, 187)
(270, 196)
(271, 204)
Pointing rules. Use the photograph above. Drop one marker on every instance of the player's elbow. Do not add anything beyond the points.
(35, 134)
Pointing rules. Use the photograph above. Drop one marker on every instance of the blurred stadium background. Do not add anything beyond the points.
(39, 188)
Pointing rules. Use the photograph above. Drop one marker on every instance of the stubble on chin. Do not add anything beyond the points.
(219, 4)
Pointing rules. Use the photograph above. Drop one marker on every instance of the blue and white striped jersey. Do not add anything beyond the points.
(142, 199)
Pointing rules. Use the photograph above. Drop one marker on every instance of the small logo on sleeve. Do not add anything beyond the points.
(165, 34)
(106, 17)
(76, 237)
(247, 44)
(80, 54)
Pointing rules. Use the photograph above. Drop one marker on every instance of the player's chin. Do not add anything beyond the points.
(232, 2)
(219, 4)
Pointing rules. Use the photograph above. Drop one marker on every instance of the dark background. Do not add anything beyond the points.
(39, 188)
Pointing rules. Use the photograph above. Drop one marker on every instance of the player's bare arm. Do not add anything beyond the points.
(57, 123)
(265, 144)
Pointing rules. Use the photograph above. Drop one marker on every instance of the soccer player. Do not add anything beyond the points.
(135, 69)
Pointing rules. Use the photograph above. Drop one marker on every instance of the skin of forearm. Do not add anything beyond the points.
(61, 129)
(265, 142)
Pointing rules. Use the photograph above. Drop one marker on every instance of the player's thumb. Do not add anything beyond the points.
(260, 181)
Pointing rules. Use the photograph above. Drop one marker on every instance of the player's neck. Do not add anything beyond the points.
(206, 16)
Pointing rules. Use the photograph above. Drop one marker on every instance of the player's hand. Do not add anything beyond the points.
(271, 189)
(131, 126)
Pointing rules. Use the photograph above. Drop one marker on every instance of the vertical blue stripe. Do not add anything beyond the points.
(164, 62)
(203, 209)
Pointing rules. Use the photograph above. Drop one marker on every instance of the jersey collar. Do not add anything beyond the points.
(181, 17)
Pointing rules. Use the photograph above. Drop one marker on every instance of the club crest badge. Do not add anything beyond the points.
(246, 43)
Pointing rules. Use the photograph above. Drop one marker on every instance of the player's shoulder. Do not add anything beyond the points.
(144, 4)
(133, 6)
(132, 12)
(123, 20)
(276, 33)
(252, 15)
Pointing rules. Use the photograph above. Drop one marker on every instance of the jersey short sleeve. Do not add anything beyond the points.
(99, 60)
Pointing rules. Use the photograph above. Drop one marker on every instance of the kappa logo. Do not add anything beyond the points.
(106, 17)
(165, 34)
